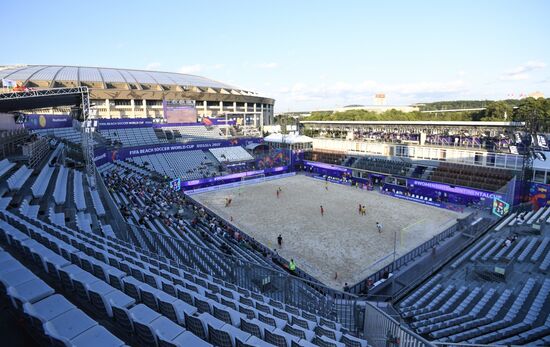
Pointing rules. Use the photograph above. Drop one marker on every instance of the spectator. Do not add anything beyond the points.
(292, 266)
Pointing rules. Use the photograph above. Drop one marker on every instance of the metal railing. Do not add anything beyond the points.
(361, 318)
(120, 223)
(362, 286)
(380, 330)
(272, 282)
(472, 230)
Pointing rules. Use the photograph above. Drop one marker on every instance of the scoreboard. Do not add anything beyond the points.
(180, 111)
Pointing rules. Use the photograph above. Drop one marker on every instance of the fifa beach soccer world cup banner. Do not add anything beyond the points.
(103, 124)
(103, 156)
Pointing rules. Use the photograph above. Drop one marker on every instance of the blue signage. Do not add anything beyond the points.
(176, 184)
(500, 208)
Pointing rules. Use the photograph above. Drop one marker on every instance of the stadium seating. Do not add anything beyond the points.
(495, 292)
(19, 177)
(393, 167)
(131, 137)
(5, 166)
(231, 154)
(466, 175)
(187, 165)
(71, 135)
(176, 306)
(57, 319)
(60, 192)
(329, 157)
(193, 133)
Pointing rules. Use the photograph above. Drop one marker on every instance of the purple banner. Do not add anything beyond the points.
(129, 152)
(102, 124)
(42, 121)
(326, 166)
(235, 176)
(400, 195)
(211, 121)
(453, 189)
(100, 157)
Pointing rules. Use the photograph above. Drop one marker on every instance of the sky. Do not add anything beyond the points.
(306, 54)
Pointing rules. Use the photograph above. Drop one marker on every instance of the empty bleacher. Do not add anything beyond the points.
(231, 154)
(193, 133)
(19, 177)
(471, 176)
(495, 292)
(186, 165)
(130, 137)
(394, 167)
(325, 156)
(70, 135)
(5, 166)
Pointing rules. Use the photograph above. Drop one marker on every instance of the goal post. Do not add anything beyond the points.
(259, 177)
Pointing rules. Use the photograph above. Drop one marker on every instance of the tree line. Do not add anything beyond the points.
(503, 110)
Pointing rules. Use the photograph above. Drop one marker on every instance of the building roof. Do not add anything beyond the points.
(100, 75)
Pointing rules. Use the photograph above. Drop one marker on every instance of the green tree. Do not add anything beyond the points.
(498, 110)
(533, 110)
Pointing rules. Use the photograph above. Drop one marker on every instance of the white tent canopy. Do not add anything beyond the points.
(288, 139)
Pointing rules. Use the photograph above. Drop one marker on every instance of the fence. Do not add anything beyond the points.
(270, 281)
(362, 286)
(120, 223)
(462, 224)
(380, 330)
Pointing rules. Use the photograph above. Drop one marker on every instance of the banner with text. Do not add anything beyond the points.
(42, 121)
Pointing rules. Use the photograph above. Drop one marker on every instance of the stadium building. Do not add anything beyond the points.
(127, 93)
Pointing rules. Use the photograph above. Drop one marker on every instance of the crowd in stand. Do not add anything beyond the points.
(461, 140)
(173, 209)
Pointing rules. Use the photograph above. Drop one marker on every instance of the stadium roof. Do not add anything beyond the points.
(101, 76)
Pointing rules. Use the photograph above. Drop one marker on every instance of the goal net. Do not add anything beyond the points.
(258, 177)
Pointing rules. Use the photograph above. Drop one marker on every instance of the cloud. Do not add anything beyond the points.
(270, 65)
(520, 72)
(344, 91)
(191, 69)
(196, 68)
(153, 66)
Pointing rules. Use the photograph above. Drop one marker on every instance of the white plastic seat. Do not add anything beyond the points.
(47, 309)
(97, 336)
(68, 325)
(30, 291)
